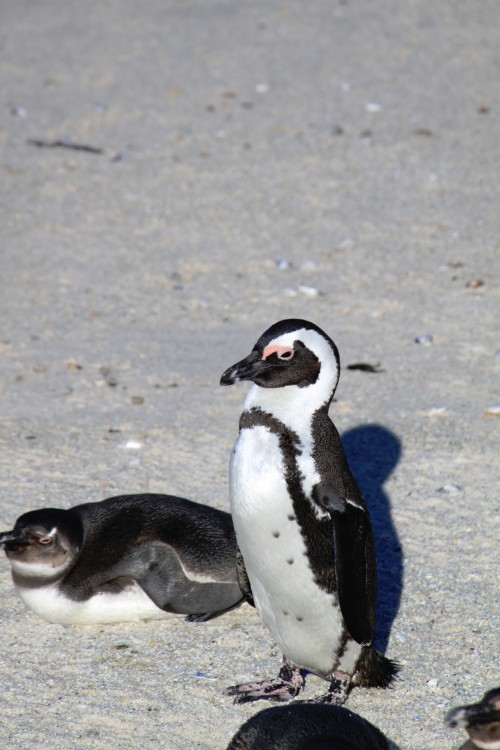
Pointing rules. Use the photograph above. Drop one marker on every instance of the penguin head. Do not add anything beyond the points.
(43, 543)
(481, 720)
(293, 353)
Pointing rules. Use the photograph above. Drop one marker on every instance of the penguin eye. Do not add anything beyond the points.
(45, 539)
(288, 355)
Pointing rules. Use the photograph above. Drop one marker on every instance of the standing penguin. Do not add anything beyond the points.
(306, 551)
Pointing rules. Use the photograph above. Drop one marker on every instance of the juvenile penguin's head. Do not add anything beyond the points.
(481, 720)
(43, 543)
(295, 355)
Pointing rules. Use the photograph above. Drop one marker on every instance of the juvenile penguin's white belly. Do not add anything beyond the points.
(305, 621)
(131, 604)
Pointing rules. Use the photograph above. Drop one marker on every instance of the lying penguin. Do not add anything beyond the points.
(302, 726)
(306, 550)
(132, 557)
(480, 720)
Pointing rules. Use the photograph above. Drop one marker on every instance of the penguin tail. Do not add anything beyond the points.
(374, 669)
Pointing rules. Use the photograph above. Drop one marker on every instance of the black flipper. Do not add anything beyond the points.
(243, 580)
(355, 562)
(352, 533)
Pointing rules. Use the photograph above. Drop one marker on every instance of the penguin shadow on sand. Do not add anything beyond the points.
(373, 452)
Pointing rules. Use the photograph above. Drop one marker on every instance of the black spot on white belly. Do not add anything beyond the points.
(285, 613)
(291, 517)
(276, 534)
(290, 561)
(299, 619)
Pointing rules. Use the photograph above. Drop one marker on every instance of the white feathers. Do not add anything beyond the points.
(295, 406)
(40, 569)
(305, 621)
(131, 604)
(486, 744)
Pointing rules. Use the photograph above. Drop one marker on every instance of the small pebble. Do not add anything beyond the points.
(347, 243)
(283, 264)
(437, 410)
(432, 684)
(309, 291)
(262, 88)
(308, 265)
(19, 112)
(345, 86)
(132, 445)
(474, 283)
(492, 411)
(450, 489)
(203, 676)
(373, 107)
(137, 400)
(288, 291)
(425, 339)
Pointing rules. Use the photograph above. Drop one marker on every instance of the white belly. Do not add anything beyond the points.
(132, 604)
(305, 621)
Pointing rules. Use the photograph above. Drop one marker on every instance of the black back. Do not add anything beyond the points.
(302, 726)
(113, 527)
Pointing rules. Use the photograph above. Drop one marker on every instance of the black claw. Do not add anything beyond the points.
(232, 690)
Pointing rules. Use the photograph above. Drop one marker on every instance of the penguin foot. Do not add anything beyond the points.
(286, 686)
(337, 692)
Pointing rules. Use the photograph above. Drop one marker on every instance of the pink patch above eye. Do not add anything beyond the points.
(279, 350)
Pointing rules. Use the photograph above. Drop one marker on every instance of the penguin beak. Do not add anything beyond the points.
(246, 369)
(12, 539)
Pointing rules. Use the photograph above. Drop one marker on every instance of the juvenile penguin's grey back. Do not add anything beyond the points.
(203, 536)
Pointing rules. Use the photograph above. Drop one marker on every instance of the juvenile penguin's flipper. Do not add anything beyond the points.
(206, 616)
(243, 580)
(159, 571)
(352, 539)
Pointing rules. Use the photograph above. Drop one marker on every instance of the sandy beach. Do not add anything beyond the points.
(244, 163)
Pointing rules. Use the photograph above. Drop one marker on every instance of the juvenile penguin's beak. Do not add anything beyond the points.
(246, 369)
(11, 539)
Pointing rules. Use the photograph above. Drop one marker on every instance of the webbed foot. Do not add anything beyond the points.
(286, 686)
(337, 692)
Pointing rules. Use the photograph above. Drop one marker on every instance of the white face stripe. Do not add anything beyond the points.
(293, 405)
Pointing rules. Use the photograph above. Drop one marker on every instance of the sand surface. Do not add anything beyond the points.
(356, 141)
